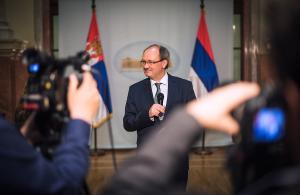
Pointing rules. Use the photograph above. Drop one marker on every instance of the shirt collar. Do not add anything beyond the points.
(163, 81)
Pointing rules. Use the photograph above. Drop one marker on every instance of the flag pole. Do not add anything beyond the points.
(96, 151)
(93, 4)
(203, 150)
(113, 152)
(202, 4)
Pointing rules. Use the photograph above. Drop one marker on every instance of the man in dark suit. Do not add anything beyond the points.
(143, 108)
(24, 170)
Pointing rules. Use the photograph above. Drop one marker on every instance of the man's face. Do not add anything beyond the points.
(154, 67)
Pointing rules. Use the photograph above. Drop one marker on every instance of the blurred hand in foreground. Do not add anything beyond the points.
(83, 101)
(214, 110)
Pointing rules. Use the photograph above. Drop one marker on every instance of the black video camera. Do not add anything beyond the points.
(261, 149)
(45, 95)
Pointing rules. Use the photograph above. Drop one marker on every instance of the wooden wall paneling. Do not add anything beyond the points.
(13, 77)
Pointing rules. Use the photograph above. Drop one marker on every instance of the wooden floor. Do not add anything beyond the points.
(207, 172)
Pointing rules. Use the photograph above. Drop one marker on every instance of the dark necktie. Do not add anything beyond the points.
(157, 91)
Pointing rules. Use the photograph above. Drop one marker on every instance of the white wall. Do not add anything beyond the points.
(128, 26)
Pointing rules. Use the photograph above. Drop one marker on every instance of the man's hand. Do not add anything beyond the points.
(83, 102)
(155, 110)
(213, 111)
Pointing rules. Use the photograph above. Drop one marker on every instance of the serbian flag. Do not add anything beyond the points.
(203, 73)
(93, 47)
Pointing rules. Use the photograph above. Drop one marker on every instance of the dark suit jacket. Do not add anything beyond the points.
(25, 171)
(140, 99)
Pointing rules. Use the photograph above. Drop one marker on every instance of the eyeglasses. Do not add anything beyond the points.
(143, 62)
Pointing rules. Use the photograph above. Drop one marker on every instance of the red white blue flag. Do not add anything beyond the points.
(203, 72)
(93, 47)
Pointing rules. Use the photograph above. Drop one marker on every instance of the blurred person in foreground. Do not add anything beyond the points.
(151, 170)
(24, 170)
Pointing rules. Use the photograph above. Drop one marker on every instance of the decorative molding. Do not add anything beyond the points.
(12, 47)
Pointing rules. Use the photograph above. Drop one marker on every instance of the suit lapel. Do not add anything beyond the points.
(148, 92)
(171, 91)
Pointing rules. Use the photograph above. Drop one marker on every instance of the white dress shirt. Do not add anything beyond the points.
(163, 88)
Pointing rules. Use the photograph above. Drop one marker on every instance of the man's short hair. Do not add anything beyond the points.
(164, 53)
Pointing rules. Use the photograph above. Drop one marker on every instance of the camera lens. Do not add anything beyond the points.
(269, 125)
(34, 68)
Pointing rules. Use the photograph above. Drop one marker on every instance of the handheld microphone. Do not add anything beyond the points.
(160, 100)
